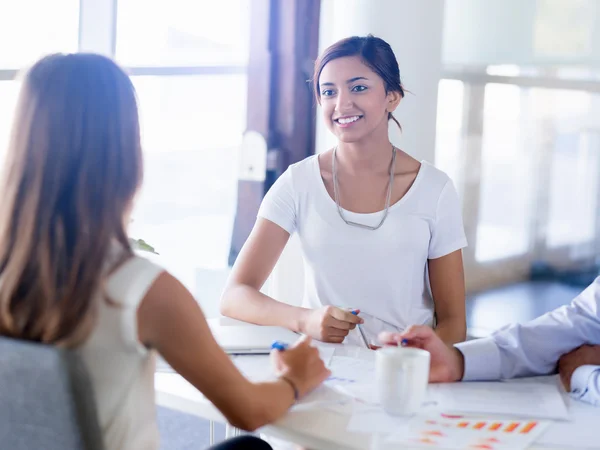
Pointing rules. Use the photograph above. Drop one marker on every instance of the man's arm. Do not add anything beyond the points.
(534, 348)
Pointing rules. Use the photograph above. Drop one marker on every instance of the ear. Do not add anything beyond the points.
(393, 99)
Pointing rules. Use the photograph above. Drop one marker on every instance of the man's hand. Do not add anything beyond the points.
(581, 356)
(447, 363)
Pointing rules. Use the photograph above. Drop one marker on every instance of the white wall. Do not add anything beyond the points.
(522, 32)
(94, 35)
(414, 30)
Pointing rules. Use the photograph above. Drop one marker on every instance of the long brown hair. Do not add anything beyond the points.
(73, 166)
(374, 52)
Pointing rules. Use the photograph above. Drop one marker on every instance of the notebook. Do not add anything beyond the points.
(251, 339)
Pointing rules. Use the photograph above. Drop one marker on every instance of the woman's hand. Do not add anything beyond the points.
(302, 365)
(330, 324)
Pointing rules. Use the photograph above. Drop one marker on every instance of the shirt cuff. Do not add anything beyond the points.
(580, 380)
(482, 359)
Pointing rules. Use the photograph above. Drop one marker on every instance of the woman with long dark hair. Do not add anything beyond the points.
(68, 276)
(381, 233)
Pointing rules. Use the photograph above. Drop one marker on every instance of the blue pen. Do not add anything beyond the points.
(278, 345)
(362, 333)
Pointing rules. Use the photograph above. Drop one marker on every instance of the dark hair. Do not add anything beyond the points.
(73, 166)
(374, 52)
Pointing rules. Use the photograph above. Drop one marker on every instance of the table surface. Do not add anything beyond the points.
(315, 429)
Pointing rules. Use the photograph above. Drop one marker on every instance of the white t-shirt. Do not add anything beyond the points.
(121, 368)
(382, 272)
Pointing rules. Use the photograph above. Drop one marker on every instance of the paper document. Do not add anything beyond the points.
(459, 432)
(259, 367)
(255, 367)
(347, 370)
(542, 401)
(324, 397)
(373, 419)
(326, 353)
(581, 431)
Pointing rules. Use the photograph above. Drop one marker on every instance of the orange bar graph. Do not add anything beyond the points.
(495, 426)
(527, 428)
(462, 424)
(479, 425)
(512, 427)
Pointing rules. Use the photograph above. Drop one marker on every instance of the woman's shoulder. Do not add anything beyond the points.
(130, 279)
(298, 177)
(434, 175)
(427, 175)
(304, 167)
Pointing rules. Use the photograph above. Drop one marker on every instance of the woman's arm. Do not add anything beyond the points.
(170, 320)
(447, 279)
(242, 298)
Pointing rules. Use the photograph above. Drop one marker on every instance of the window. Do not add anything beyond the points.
(188, 60)
(191, 130)
(9, 90)
(26, 36)
(575, 164)
(449, 128)
(175, 33)
(188, 64)
(505, 205)
(530, 149)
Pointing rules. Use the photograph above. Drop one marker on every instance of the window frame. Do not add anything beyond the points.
(283, 47)
(487, 274)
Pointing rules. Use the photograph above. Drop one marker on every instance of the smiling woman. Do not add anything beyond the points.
(381, 62)
(381, 232)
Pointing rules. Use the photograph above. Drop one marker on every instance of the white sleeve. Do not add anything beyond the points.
(279, 205)
(448, 234)
(585, 384)
(535, 347)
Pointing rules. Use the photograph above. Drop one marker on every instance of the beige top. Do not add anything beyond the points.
(121, 368)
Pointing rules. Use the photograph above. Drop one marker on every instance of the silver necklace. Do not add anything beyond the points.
(387, 199)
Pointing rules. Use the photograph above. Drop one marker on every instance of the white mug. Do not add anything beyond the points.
(402, 376)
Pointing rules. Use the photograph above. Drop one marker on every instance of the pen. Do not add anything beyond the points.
(278, 345)
(362, 333)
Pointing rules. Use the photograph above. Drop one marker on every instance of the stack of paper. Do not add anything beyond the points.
(581, 431)
(484, 415)
(542, 401)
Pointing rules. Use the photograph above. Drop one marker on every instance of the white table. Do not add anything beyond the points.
(322, 429)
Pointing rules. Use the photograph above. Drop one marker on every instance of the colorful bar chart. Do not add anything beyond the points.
(507, 427)
(527, 428)
(471, 432)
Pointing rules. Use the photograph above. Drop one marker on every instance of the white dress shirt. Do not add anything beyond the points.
(535, 347)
